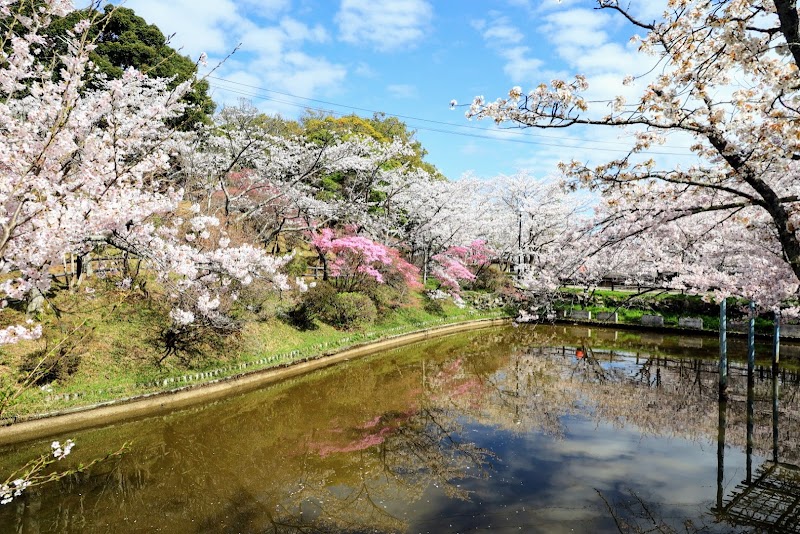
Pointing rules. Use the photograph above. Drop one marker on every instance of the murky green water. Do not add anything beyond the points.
(508, 429)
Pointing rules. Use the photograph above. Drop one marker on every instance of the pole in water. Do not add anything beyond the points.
(751, 364)
(722, 424)
(723, 349)
(776, 351)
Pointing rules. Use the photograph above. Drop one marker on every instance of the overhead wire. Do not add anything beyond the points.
(256, 92)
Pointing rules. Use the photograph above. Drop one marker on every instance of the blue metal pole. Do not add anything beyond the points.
(776, 342)
(751, 339)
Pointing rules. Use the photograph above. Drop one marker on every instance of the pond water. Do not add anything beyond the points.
(530, 429)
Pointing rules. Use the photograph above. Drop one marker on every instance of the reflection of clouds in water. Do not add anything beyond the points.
(668, 470)
(533, 486)
(550, 485)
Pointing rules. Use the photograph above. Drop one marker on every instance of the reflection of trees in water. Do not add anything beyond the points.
(338, 451)
(634, 515)
(765, 501)
(536, 384)
(501, 382)
(330, 455)
(659, 394)
(408, 453)
(522, 396)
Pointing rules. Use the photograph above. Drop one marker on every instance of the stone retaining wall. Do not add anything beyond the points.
(607, 317)
(652, 320)
(691, 322)
(581, 315)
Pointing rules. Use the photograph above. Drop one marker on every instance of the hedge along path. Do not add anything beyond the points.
(167, 401)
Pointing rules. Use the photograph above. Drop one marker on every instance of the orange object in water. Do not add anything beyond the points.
(579, 354)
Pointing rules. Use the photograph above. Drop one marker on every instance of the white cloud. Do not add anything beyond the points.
(308, 75)
(297, 31)
(501, 35)
(402, 91)
(271, 55)
(478, 24)
(581, 27)
(499, 31)
(384, 24)
(582, 39)
(365, 70)
(594, 146)
(520, 67)
(569, 40)
(534, 5)
(199, 25)
(267, 8)
(649, 11)
(270, 42)
(502, 32)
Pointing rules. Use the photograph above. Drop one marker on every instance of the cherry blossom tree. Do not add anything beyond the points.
(275, 183)
(726, 75)
(436, 214)
(87, 166)
(450, 271)
(531, 218)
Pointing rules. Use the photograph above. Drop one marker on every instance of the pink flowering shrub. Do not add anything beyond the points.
(450, 271)
(460, 264)
(477, 254)
(355, 262)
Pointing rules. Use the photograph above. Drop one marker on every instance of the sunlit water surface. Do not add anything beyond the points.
(530, 429)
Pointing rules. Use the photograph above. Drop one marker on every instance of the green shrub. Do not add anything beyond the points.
(433, 306)
(296, 267)
(320, 301)
(341, 310)
(353, 310)
(492, 278)
(385, 297)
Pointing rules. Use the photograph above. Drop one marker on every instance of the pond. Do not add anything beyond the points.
(529, 429)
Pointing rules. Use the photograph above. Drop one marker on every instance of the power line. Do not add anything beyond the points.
(519, 132)
(449, 132)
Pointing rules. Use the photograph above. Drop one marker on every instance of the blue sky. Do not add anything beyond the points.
(410, 58)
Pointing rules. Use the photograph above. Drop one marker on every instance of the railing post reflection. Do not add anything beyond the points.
(751, 364)
(776, 352)
(723, 350)
(723, 407)
(775, 418)
(750, 422)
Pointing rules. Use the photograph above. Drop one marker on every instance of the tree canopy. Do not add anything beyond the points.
(320, 127)
(124, 39)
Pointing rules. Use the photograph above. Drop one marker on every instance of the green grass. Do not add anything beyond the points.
(118, 351)
(658, 294)
(671, 305)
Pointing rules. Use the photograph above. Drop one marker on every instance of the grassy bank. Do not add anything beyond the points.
(109, 347)
(108, 350)
(631, 305)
